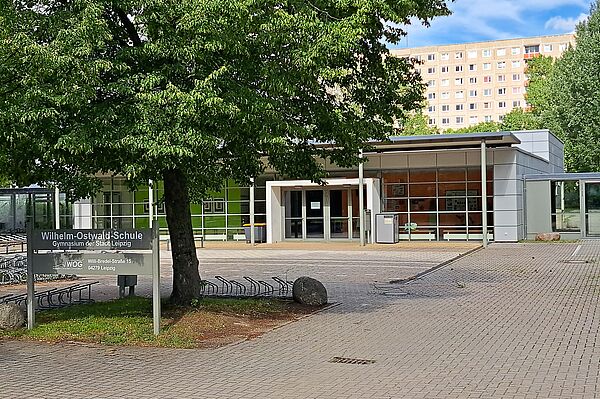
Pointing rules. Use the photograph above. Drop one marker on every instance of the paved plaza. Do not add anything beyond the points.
(510, 321)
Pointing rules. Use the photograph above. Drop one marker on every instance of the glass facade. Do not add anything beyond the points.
(565, 205)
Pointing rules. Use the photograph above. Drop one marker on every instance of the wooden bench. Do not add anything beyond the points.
(462, 235)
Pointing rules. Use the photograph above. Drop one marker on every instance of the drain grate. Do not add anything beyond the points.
(349, 360)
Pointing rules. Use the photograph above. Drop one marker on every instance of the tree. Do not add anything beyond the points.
(416, 125)
(573, 104)
(192, 92)
(519, 119)
(480, 127)
(538, 71)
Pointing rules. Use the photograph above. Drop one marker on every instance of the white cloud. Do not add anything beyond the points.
(561, 24)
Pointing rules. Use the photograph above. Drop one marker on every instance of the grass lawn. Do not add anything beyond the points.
(209, 322)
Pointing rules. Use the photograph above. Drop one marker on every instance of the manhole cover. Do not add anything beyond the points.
(349, 360)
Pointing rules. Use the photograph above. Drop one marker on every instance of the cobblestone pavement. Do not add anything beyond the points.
(511, 321)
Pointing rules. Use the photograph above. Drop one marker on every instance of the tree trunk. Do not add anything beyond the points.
(186, 278)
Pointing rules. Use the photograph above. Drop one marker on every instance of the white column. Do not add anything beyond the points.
(484, 193)
(56, 208)
(150, 205)
(361, 200)
(252, 238)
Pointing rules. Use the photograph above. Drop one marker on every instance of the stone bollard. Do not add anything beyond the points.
(308, 291)
(12, 316)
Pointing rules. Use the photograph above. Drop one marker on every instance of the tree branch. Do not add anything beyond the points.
(129, 27)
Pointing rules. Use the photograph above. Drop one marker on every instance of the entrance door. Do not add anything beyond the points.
(315, 215)
(592, 209)
(340, 207)
(293, 214)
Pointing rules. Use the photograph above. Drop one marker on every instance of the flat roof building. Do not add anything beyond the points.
(479, 82)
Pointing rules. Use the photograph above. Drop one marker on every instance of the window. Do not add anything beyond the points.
(431, 108)
(500, 118)
(516, 77)
(562, 47)
(515, 51)
(430, 70)
(516, 90)
(445, 82)
(431, 83)
(460, 120)
(473, 119)
(501, 65)
(458, 55)
(516, 104)
(472, 54)
(445, 108)
(430, 57)
(418, 57)
(487, 79)
(487, 118)
(472, 67)
(487, 105)
(473, 106)
(459, 94)
(487, 66)
(473, 81)
(445, 121)
(458, 81)
(431, 121)
(532, 49)
(446, 95)
(486, 53)
(445, 56)
(431, 96)
(445, 69)
(502, 91)
(501, 104)
(501, 78)
(472, 93)
(547, 48)
(458, 68)
(487, 92)
(459, 107)
(516, 64)
(501, 52)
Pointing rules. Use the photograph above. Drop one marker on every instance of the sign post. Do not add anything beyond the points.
(109, 252)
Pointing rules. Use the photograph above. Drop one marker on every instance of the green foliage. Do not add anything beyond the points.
(518, 119)
(480, 127)
(538, 71)
(574, 102)
(416, 125)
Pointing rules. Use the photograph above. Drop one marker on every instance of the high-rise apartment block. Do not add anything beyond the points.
(479, 82)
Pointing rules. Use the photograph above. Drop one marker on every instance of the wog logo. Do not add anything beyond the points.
(74, 264)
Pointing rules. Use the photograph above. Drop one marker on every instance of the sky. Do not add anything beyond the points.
(482, 20)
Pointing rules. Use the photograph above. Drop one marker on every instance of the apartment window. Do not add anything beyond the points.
(458, 55)
(532, 49)
(473, 80)
(459, 94)
(516, 104)
(515, 51)
(501, 78)
(445, 121)
(445, 56)
(445, 108)
(487, 79)
(458, 81)
(445, 69)
(486, 53)
(472, 93)
(431, 83)
(445, 82)
(501, 65)
(431, 121)
(459, 107)
(431, 108)
(430, 57)
(516, 90)
(487, 66)
(501, 104)
(445, 95)
(460, 120)
(487, 118)
(431, 70)
(472, 67)
(516, 77)
(473, 106)
(458, 68)
(562, 47)
(516, 64)
(502, 91)
(547, 48)
(418, 57)
(473, 119)
(501, 52)
(431, 96)
(487, 92)
(472, 54)
(487, 105)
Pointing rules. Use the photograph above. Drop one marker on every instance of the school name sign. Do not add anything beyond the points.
(140, 239)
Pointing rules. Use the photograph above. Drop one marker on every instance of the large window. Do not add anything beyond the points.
(566, 214)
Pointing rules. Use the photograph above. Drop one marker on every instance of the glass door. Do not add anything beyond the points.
(293, 214)
(315, 226)
(592, 209)
(340, 209)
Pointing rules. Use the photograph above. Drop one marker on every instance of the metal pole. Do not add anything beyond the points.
(252, 237)
(56, 208)
(484, 194)
(155, 280)
(30, 283)
(150, 204)
(361, 199)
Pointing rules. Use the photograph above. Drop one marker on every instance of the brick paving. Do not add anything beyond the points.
(511, 321)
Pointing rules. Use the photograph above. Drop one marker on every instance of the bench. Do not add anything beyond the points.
(167, 239)
(424, 235)
(239, 237)
(462, 235)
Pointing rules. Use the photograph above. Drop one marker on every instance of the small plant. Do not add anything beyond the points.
(460, 285)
